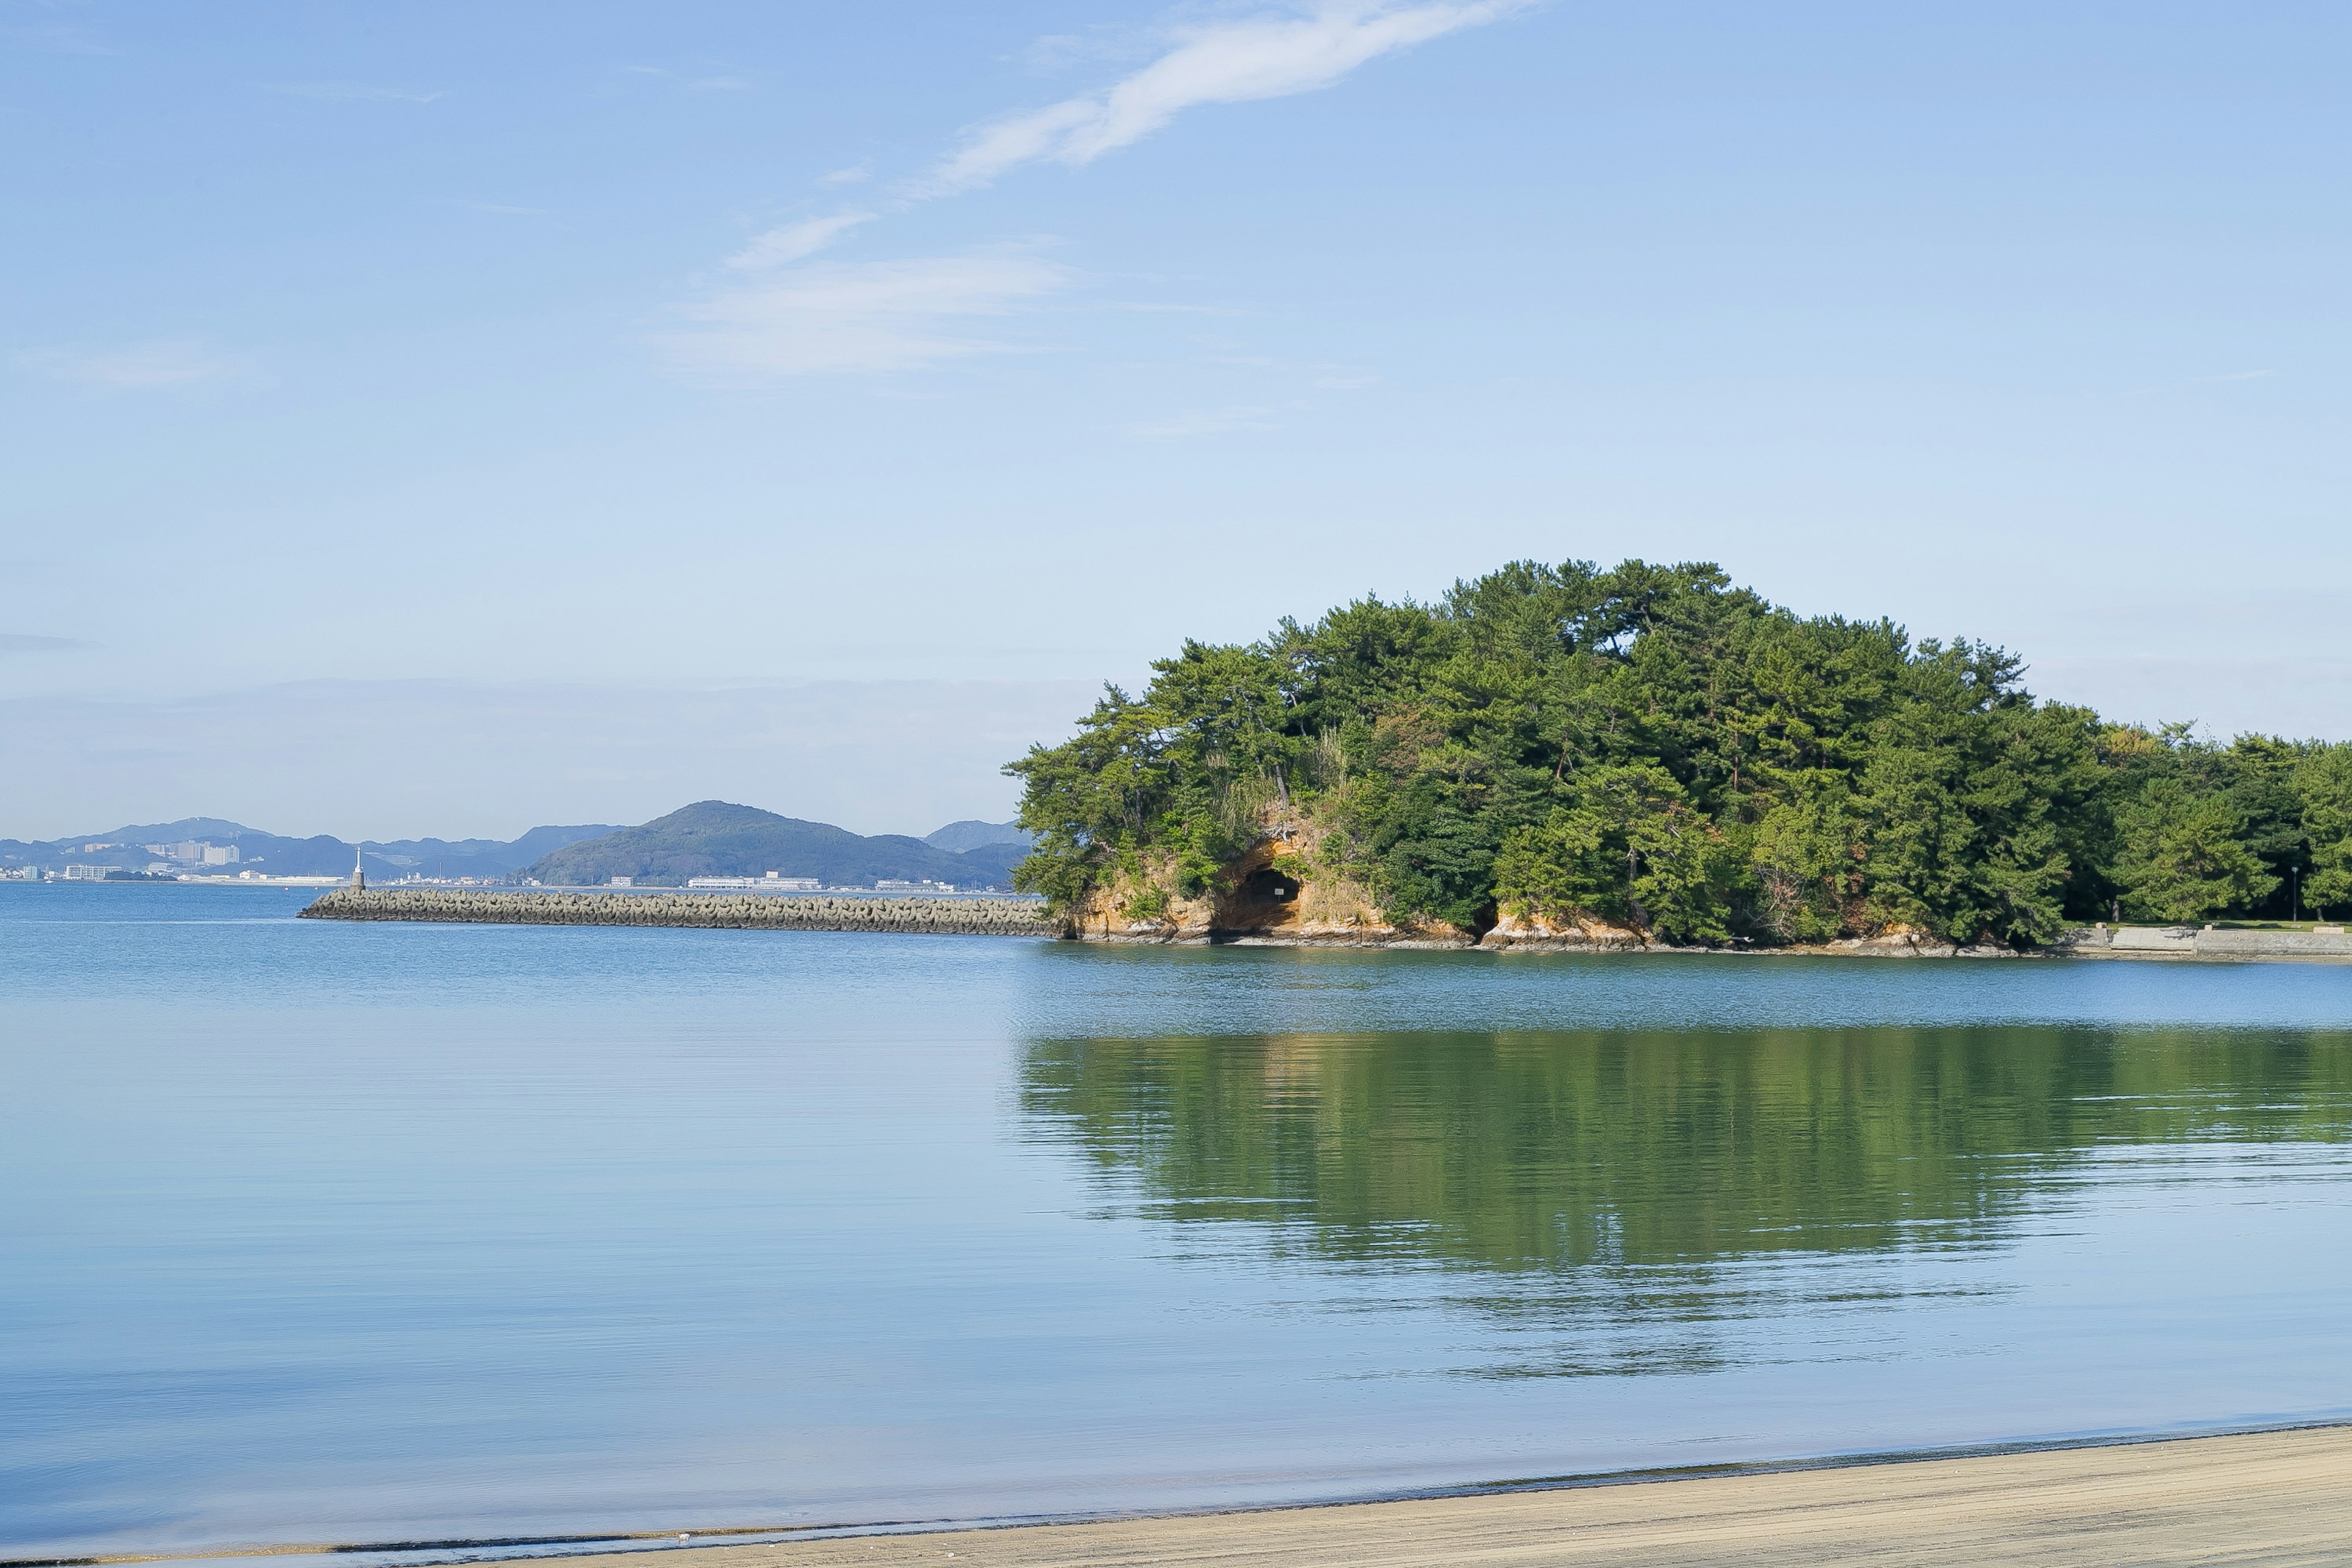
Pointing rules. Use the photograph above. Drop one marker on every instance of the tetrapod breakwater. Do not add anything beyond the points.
(755, 912)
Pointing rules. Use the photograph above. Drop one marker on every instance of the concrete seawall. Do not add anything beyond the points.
(2208, 943)
(923, 917)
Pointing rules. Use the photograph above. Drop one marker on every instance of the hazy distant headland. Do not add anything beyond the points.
(209, 845)
(711, 839)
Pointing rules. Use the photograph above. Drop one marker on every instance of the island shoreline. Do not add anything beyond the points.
(1026, 918)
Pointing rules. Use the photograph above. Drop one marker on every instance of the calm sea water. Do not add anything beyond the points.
(315, 1232)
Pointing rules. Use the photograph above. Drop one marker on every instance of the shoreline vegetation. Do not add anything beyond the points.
(1565, 758)
(2270, 1497)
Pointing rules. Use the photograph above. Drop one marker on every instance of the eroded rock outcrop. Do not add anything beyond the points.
(1539, 933)
(1280, 892)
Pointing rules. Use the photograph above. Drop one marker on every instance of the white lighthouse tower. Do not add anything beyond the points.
(359, 878)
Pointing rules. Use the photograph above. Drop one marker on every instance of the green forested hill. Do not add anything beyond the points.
(1652, 747)
(715, 838)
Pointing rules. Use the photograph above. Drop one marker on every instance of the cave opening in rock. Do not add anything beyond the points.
(1269, 885)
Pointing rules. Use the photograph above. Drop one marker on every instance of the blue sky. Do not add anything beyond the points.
(473, 370)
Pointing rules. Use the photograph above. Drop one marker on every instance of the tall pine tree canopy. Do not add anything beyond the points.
(1651, 748)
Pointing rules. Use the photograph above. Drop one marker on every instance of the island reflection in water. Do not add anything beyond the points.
(1617, 1198)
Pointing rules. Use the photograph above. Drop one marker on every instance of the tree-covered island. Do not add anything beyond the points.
(1648, 752)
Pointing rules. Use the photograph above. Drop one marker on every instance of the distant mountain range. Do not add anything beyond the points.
(714, 838)
(708, 839)
(962, 838)
(274, 855)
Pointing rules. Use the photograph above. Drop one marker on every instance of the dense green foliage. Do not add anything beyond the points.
(1652, 747)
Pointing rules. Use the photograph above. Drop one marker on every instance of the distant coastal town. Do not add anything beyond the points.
(190, 860)
(710, 847)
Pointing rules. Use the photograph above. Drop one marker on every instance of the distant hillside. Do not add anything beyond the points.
(274, 855)
(715, 838)
(476, 856)
(998, 858)
(962, 838)
(212, 828)
(709, 839)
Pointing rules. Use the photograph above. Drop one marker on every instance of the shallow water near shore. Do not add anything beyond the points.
(328, 1233)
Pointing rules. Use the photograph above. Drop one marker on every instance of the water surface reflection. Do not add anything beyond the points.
(1616, 1195)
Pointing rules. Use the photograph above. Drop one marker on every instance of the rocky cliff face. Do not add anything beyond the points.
(1281, 892)
(1285, 891)
(1540, 934)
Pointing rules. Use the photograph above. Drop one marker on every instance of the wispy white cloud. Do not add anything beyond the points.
(794, 240)
(894, 315)
(354, 91)
(133, 367)
(1103, 41)
(855, 174)
(1235, 60)
(1207, 422)
(1054, 51)
(869, 317)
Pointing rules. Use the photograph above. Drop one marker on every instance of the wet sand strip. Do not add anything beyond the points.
(2272, 1498)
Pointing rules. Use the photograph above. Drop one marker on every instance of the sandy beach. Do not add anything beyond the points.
(2280, 1498)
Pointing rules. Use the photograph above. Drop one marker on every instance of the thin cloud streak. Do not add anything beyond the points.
(865, 317)
(1238, 61)
(132, 367)
(795, 240)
